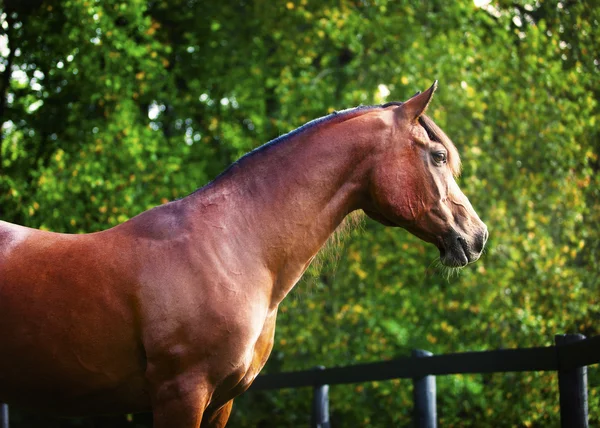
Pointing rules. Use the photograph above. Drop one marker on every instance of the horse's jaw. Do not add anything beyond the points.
(380, 218)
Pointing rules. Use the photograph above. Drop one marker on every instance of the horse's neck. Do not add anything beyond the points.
(289, 198)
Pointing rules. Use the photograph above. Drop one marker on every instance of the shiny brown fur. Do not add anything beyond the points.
(174, 310)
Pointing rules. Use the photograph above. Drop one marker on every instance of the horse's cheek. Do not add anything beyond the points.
(403, 197)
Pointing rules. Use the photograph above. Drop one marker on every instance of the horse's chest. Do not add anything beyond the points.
(255, 354)
(254, 358)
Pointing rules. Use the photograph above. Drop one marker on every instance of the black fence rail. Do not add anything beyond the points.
(569, 357)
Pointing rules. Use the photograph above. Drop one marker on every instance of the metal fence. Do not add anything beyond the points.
(569, 357)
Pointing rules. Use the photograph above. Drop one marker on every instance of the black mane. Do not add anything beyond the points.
(309, 125)
(433, 131)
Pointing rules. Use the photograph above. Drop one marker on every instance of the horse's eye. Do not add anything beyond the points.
(439, 157)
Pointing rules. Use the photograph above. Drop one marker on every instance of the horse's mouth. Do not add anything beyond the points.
(454, 259)
(455, 252)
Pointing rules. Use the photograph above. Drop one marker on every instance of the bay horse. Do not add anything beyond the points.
(174, 310)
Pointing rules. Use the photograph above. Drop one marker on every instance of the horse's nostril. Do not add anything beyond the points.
(463, 244)
(481, 241)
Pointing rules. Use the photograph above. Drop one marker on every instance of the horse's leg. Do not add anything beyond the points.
(179, 403)
(217, 418)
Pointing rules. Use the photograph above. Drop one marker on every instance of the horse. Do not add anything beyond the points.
(174, 310)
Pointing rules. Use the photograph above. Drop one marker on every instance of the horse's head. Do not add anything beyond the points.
(413, 184)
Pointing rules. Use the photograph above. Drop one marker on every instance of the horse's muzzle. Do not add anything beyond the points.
(459, 249)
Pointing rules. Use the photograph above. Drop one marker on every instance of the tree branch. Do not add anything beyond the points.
(5, 79)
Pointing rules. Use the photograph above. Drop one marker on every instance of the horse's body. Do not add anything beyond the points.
(174, 310)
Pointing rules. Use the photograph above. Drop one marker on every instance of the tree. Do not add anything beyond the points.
(109, 108)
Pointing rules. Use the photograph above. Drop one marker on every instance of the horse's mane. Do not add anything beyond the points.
(336, 115)
(433, 131)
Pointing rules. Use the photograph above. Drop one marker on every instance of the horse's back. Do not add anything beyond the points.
(81, 315)
(66, 321)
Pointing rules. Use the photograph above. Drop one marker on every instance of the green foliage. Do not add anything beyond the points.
(112, 107)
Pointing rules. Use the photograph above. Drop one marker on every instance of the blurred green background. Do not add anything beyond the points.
(111, 107)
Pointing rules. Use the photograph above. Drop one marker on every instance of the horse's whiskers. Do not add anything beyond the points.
(447, 272)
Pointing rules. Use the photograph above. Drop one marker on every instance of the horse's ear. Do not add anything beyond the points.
(416, 106)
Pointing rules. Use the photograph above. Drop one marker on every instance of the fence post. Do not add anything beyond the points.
(425, 412)
(320, 405)
(572, 385)
(3, 415)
